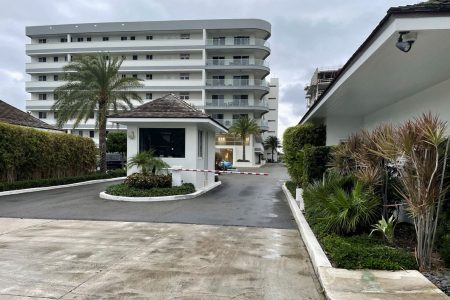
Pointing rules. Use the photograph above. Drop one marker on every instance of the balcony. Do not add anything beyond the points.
(236, 104)
(112, 46)
(238, 84)
(237, 62)
(229, 122)
(239, 42)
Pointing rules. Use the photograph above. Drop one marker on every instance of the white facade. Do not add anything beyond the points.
(382, 84)
(272, 116)
(216, 65)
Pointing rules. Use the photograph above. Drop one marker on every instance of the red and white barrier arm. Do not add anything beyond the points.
(218, 171)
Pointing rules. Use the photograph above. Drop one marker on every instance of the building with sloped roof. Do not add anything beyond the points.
(12, 115)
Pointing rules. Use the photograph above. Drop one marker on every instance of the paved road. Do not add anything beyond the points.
(241, 200)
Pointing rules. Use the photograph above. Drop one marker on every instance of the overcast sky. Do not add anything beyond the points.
(305, 34)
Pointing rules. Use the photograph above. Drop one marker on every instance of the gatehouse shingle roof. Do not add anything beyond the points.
(11, 115)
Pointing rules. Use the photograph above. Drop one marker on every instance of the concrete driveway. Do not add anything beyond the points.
(154, 255)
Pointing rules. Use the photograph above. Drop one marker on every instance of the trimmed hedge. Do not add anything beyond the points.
(363, 252)
(27, 153)
(127, 191)
(315, 162)
(291, 186)
(17, 185)
(141, 181)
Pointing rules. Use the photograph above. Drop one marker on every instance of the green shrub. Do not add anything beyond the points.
(444, 248)
(127, 191)
(315, 162)
(26, 184)
(362, 252)
(27, 153)
(291, 186)
(148, 181)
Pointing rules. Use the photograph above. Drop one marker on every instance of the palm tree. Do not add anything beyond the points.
(93, 83)
(272, 142)
(147, 161)
(243, 128)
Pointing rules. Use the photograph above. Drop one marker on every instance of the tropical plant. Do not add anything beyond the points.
(385, 227)
(117, 142)
(273, 143)
(148, 162)
(243, 128)
(347, 212)
(418, 149)
(93, 83)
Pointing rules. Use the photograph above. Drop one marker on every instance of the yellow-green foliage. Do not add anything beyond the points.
(27, 153)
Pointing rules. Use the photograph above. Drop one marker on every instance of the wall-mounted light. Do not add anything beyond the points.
(131, 134)
(406, 40)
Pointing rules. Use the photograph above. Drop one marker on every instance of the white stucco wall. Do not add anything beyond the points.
(191, 159)
(435, 99)
(339, 128)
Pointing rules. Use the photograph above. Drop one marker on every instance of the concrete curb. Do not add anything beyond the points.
(54, 187)
(345, 284)
(106, 196)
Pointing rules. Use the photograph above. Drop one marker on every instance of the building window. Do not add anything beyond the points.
(184, 76)
(42, 41)
(166, 142)
(80, 132)
(55, 59)
(42, 115)
(149, 37)
(185, 56)
(149, 57)
(88, 39)
(184, 96)
(105, 38)
(80, 39)
(42, 59)
(63, 40)
(91, 133)
(124, 75)
(185, 36)
(200, 143)
(219, 40)
(55, 115)
(135, 57)
(92, 115)
(55, 97)
(270, 120)
(124, 57)
(135, 76)
(149, 76)
(132, 38)
(123, 38)
(55, 77)
(42, 78)
(149, 96)
(42, 96)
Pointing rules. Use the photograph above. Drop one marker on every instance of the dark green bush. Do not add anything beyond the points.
(148, 181)
(27, 153)
(315, 162)
(127, 191)
(363, 252)
(17, 185)
(291, 186)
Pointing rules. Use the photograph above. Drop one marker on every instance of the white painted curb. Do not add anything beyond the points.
(54, 187)
(106, 196)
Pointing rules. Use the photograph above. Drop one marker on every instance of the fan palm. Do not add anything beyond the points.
(94, 83)
(147, 161)
(272, 142)
(243, 128)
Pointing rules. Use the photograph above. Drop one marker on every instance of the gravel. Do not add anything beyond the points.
(440, 278)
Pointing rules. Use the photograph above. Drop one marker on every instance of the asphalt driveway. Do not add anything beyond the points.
(242, 200)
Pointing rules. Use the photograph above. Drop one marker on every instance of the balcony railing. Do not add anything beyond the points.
(237, 82)
(219, 42)
(229, 122)
(237, 62)
(234, 103)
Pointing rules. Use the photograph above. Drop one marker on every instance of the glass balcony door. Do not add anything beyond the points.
(242, 40)
(218, 41)
(241, 60)
(218, 80)
(241, 80)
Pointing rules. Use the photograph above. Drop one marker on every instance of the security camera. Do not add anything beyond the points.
(406, 40)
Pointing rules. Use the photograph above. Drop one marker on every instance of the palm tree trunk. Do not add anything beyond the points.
(102, 135)
(243, 147)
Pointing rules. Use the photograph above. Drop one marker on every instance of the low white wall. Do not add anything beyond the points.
(435, 99)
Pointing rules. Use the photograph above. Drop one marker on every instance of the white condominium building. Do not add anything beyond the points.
(216, 65)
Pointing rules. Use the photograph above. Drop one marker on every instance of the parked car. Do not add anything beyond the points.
(224, 165)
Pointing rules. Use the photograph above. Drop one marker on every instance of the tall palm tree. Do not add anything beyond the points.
(93, 83)
(243, 128)
(272, 142)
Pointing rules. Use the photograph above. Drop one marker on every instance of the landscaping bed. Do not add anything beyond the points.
(26, 184)
(128, 191)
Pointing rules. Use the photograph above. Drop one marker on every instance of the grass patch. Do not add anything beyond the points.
(127, 191)
(26, 184)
